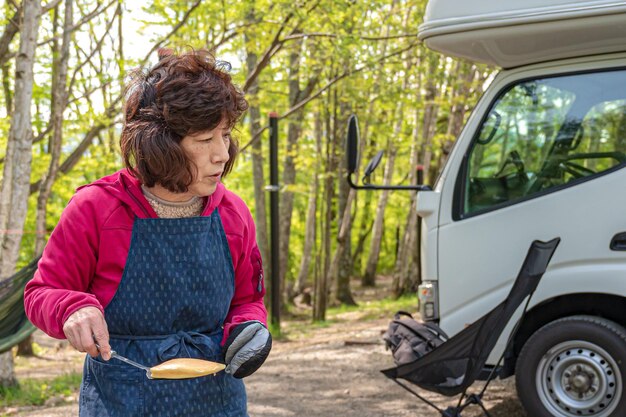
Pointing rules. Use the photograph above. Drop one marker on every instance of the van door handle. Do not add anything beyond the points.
(619, 242)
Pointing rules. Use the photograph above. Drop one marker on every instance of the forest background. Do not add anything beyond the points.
(63, 64)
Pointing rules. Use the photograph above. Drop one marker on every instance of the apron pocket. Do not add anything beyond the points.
(210, 396)
(111, 390)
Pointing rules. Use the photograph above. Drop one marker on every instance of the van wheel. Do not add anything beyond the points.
(574, 366)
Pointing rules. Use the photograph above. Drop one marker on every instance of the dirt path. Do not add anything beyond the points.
(335, 372)
(329, 372)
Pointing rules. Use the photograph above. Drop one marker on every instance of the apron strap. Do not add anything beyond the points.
(177, 345)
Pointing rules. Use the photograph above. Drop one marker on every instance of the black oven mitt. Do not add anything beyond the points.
(247, 347)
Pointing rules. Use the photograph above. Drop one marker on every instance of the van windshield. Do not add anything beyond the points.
(545, 134)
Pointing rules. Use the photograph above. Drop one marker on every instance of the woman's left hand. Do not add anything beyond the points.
(247, 347)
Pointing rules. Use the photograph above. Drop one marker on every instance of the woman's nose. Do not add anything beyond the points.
(220, 152)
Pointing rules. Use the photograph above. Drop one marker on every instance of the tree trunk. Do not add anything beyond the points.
(257, 166)
(364, 231)
(7, 373)
(311, 217)
(25, 347)
(406, 274)
(430, 115)
(366, 224)
(465, 74)
(369, 278)
(59, 102)
(341, 267)
(309, 241)
(17, 166)
(409, 265)
(6, 88)
(321, 285)
(294, 129)
(405, 270)
(10, 30)
(321, 299)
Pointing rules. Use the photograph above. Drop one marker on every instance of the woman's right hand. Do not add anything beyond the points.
(86, 327)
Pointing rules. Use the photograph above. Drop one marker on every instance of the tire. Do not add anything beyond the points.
(574, 366)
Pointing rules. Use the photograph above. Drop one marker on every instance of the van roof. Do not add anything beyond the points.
(518, 32)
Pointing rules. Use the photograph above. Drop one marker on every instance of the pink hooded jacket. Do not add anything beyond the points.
(84, 259)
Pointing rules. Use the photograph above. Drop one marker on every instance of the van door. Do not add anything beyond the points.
(546, 161)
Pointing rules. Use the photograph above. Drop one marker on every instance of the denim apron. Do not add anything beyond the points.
(174, 295)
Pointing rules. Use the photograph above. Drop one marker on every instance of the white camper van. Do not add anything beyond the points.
(542, 155)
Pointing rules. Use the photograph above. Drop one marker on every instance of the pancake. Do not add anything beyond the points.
(182, 368)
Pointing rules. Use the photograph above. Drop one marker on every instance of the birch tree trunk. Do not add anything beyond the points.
(406, 273)
(430, 114)
(406, 270)
(311, 217)
(369, 277)
(321, 283)
(294, 130)
(257, 163)
(17, 166)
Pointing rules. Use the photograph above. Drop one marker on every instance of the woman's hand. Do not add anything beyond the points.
(86, 327)
(247, 347)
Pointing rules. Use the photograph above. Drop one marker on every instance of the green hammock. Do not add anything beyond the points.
(14, 326)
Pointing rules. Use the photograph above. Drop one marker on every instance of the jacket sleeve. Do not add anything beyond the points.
(247, 303)
(60, 285)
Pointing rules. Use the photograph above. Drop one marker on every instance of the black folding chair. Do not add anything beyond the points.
(453, 366)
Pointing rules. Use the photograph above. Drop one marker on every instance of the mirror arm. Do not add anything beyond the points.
(387, 187)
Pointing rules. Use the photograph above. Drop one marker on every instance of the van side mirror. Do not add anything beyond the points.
(352, 154)
(352, 147)
(372, 165)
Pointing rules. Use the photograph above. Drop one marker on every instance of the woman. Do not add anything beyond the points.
(159, 260)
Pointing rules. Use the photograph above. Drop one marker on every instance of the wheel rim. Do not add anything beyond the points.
(578, 378)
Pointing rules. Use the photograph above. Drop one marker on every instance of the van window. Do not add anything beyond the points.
(546, 134)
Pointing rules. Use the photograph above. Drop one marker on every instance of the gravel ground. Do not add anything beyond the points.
(329, 372)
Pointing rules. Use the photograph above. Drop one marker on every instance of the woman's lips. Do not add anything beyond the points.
(215, 177)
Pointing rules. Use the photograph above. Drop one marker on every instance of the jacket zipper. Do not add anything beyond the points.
(138, 203)
(259, 286)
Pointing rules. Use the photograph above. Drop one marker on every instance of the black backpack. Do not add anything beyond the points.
(410, 339)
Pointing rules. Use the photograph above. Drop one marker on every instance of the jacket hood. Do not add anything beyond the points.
(127, 188)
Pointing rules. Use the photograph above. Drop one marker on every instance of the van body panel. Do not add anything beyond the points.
(428, 208)
(584, 278)
(453, 11)
(514, 33)
(478, 257)
(488, 253)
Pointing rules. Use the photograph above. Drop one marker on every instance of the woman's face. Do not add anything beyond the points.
(209, 152)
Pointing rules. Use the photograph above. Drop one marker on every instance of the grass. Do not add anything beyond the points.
(377, 308)
(301, 325)
(31, 392)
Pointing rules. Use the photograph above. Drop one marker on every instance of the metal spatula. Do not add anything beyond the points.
(171, 369)
(115, 355)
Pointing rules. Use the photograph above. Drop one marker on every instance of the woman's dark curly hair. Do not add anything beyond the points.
(183, 94)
